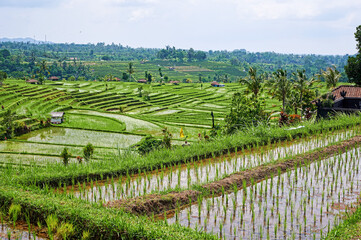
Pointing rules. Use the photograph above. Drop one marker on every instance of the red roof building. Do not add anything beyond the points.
(351, 92)
(32, 81)
(216, 84)
(54, 78)
(174, 82)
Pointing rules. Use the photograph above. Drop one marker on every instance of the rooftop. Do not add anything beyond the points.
(57, 114)
(351, 92)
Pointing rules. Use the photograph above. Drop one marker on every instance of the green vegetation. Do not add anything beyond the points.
(353, 67)
(173, 134)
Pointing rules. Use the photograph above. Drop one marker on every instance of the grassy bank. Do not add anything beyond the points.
(101, 223)
(128, 163)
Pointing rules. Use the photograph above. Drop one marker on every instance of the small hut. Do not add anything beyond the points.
(57, 117)
(32, 81)
(174, 82)
(216, 84)
(54, 78)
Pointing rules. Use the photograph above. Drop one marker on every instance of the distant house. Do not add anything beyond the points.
(32, 81)
(174, 82)
(142, 81)
(216, 84)
(346, 99)
(57, 117)
(54, 78)
(117, 79)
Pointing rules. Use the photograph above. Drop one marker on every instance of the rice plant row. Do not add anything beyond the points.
(182, 176)
(304, 203)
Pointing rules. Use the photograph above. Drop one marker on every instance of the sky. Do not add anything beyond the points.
(283, 26)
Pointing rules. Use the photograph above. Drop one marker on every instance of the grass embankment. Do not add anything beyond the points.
(55, 174)
(350, 228)
(158, 203)
(101, 223)
(89, 122)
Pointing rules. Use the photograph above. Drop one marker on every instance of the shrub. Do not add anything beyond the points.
(88, 151)
(65, 154)
(148, 144)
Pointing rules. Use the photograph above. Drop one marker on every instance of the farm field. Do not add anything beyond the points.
(300, 203)
(99, 196)
(201, 172)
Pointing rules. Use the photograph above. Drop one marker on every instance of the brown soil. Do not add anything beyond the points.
(23, 226)
(156, 203)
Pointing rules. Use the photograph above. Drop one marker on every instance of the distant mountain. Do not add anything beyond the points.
(31, 40)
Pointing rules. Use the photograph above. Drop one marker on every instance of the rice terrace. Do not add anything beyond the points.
(112, 142)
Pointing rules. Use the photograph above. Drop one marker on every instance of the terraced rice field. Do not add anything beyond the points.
(202, 172)
(171, 186)
(299, 204)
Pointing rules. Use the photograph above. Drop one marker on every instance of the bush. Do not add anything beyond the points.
(65, 154)
(88, 151)
(148, 144)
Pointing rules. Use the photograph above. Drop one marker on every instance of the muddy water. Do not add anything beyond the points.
(300, 204)
(200, 172)
(7, 230)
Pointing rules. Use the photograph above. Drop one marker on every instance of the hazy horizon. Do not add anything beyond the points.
(293, 26)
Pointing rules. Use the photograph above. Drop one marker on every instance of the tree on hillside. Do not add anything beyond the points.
(301, 85)
(8, 123)
(353, 67)
(3, 76)
(244, 112)
(43, 70)
(253, 82)
(149, 78)
(331, 76)
(280, 86)
(130, 70)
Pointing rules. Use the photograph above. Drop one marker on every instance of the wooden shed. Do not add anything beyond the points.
(57, 117)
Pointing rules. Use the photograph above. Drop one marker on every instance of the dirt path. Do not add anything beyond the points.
(157, 203)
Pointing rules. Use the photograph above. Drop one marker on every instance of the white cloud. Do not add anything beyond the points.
(140, 13)
(297, 26)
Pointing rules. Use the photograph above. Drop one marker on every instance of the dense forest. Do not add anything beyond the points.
(22, 59)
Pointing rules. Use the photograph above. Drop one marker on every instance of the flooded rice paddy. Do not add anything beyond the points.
(19, 233)
(60, 135)
(199, 172)
(304, 203)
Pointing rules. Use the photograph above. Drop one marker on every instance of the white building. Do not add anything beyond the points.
(57, 117)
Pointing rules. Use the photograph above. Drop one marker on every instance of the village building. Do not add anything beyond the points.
(216, 84)
(57, 117)
(142, 81)
(346, 99)
(54, 78)
(174, 82)
(32, 81)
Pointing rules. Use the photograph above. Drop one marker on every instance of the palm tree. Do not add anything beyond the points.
(130, 70)
(43, 69)
(331, 76)
(253, 82)
(301, 84)
(280, 86)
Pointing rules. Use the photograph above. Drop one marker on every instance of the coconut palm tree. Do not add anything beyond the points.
(280, 86)
(301, 85)
(43, 70)
(130, 70)
(253, 82)
(331, 76)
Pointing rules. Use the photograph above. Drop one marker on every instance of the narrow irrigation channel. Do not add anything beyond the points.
(199, 172)
(303, 203)
(21, 231)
